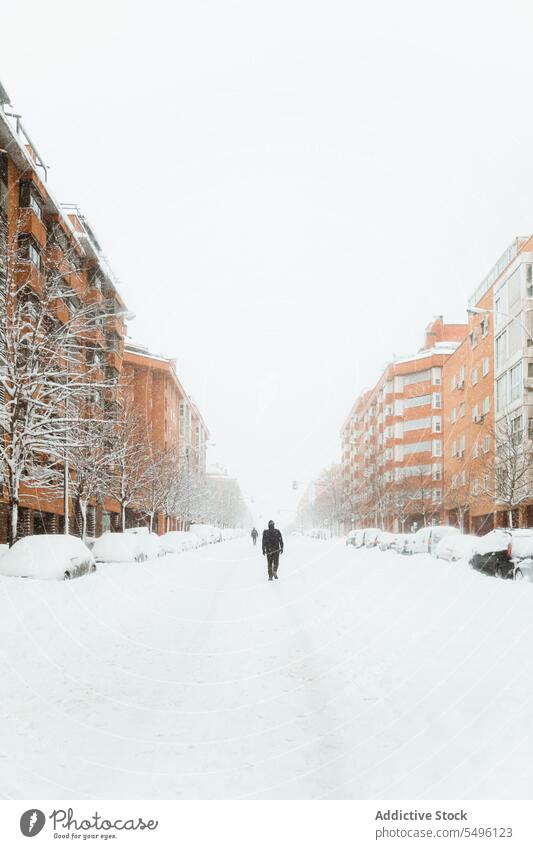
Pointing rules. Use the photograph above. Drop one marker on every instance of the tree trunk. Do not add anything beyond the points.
(151, 524)
(122, 517)
(14, 511)
(510, 517)
(83, 514)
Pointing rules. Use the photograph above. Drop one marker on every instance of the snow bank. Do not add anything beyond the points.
(48, 556)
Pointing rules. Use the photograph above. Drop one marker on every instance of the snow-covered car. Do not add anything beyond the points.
(399, 542)
(385, 540)
(523, 570)
(350, 537)
(371, 537)
(425, 540)
(499, 552)
(48, 556)
(127, 547)
(456, 547)
(174, 542)
(368, 535)
(206, 533)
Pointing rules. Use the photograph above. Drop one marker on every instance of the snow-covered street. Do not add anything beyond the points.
(359, 674)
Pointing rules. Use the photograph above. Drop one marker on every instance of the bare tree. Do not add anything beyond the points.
(47, 367)
(508, 472)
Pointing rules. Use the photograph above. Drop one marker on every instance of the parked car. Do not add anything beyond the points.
(207, 534)
(350, 538)
(455, 547)
(371, 537)
(400, 542)
(523, 569)
(127, 547)
(53, 557)
(385, 540)
(499, 552)
(364, 535)
(426, 539)
(174, 542)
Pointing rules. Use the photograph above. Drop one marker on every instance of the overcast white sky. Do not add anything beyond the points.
(288, 191)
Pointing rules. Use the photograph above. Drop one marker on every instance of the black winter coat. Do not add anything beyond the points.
(272, 541)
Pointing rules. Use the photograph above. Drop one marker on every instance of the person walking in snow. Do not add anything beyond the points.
(254, 535)
(272, 548)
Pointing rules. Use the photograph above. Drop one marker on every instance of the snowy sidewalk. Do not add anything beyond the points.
(356, 675)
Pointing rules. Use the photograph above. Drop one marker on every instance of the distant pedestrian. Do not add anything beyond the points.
(254, 535)
(272, 548)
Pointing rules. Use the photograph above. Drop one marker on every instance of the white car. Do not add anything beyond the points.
(455, 547)
(206, 533)
(52, 557)
(174, 542)
(127, 547)
(425, 540)
(385, 540)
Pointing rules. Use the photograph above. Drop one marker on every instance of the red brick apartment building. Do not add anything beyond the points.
(489, 378)
(422, 446)
(172, 418)
(48, 235)
(392, 441)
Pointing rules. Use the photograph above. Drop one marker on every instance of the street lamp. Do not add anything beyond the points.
(486, 311)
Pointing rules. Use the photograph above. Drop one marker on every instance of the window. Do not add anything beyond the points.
(475, 487)
(436, 496)
(486, 445)
(454, 481)
(486, 405)
(417, 401)
(484, 327)
(485, 366)
(463, 477)
(462, 444)
(36, 206)
(516, 428)
(462, 409)
(515, 382)
(501, 349)
(416, 424)
(529, 281)
(437, 424)
(34, 256)
(437, 472)
(454, 382)
(475, 413)
(416, 447)
(454, 448)
(436, 376)
(453, 416)
(474, 450)
(473, 376)
(436, 401)
(462, 374)
(501, 393)
(437, 448)
(473, 338)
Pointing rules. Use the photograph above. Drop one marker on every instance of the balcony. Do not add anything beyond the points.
(28, 273)
(32, 225)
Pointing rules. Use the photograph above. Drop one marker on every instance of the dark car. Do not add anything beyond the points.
(497, 552)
